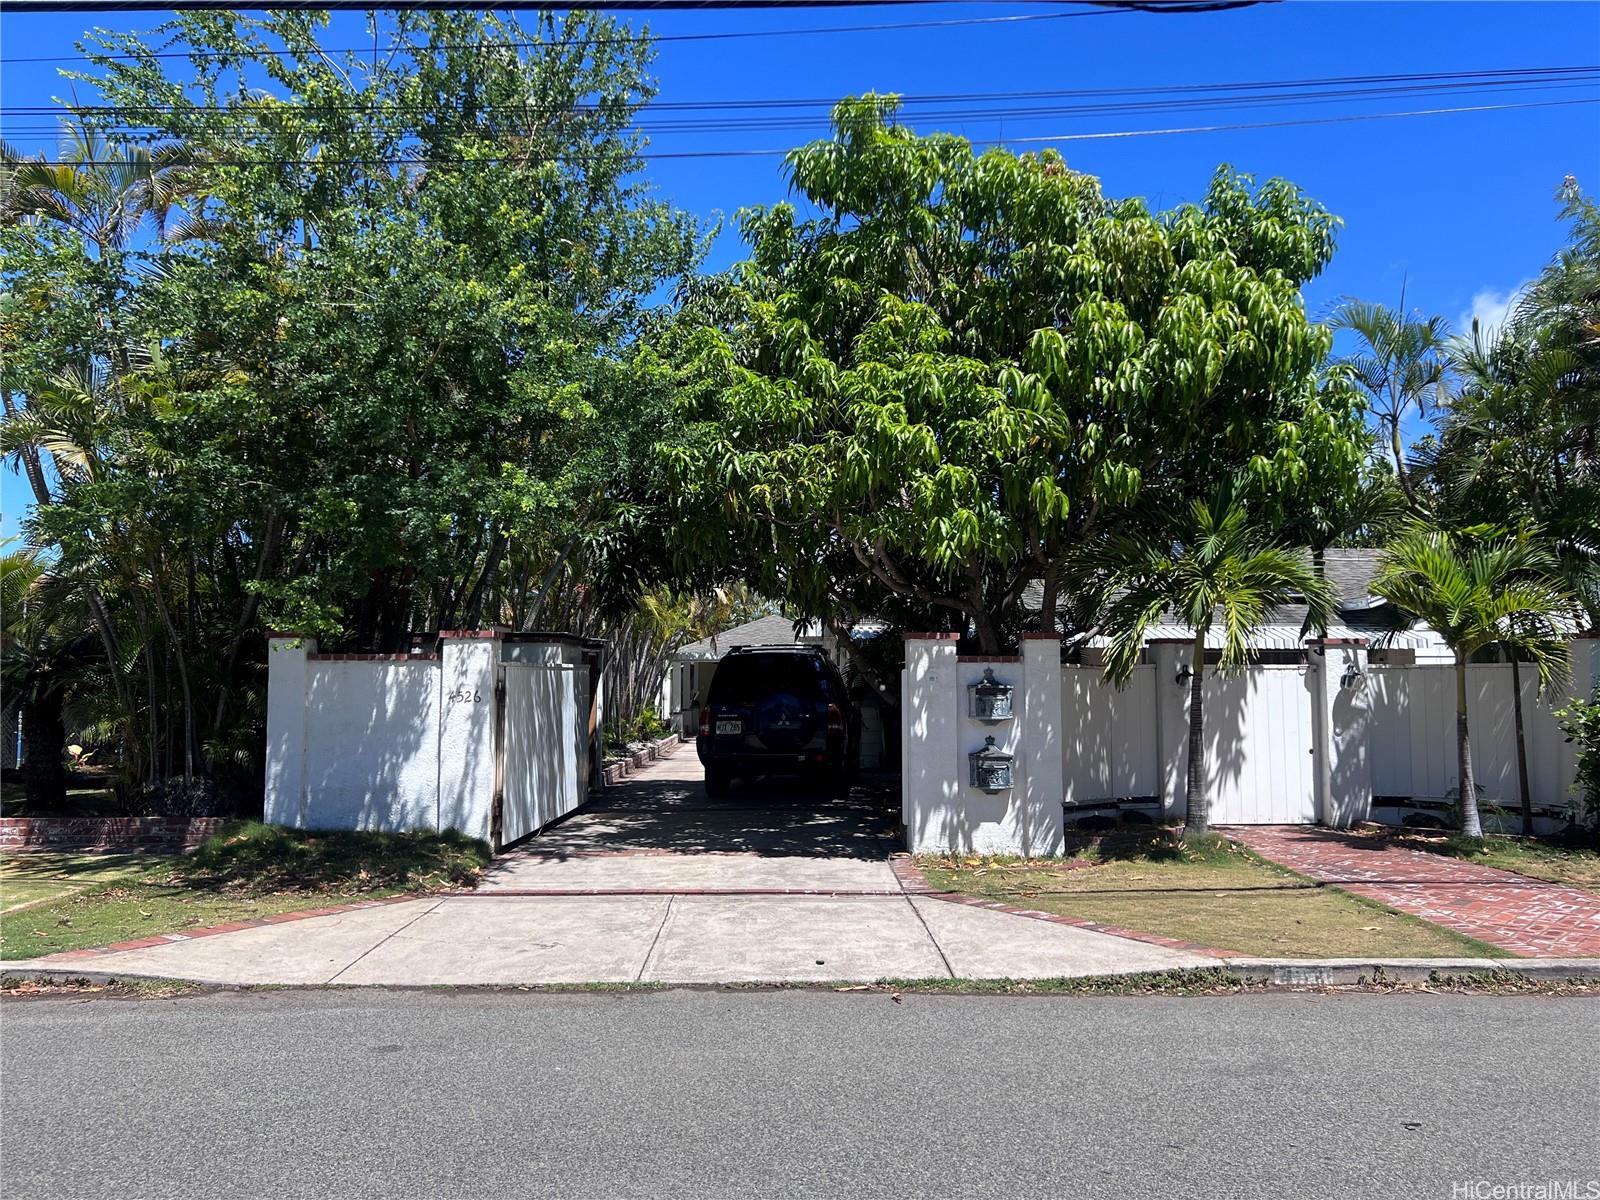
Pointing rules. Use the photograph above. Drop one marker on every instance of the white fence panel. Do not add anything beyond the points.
(372, 745)
(1414, 734)
(546, 736)
(1109, 747)
(1258, 737)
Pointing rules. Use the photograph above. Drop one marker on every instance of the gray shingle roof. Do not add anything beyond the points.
(1350, 571)
(763, 631)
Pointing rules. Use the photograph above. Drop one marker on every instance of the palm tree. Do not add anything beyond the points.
(1510, 449)
(1401, 366)
(1480, 587)
(1212, 567)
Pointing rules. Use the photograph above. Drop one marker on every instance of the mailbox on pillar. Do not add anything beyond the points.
(990, 768)
(989, 699)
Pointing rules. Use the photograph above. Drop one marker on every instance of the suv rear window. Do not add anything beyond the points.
(748, 678)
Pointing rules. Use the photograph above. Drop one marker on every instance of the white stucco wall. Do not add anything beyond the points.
(1285, 743)
(371, 746)
(399, 742)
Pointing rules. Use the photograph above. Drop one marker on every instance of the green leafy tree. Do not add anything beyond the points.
(1209, 566)
(935, 391)
(344, 344)
(1480, 587)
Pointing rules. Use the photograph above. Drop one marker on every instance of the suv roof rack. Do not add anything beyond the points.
(788, 646)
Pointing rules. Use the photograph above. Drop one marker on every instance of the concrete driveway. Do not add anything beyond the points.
(658, 832)
(657, 883)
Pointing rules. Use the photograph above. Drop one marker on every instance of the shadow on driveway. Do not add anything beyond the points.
(665, 809)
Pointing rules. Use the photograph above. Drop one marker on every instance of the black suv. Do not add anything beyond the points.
(777, 710)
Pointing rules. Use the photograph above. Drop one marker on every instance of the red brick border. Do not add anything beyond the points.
(495, 893)
(162, 939)
(914, 883)
(21, 834)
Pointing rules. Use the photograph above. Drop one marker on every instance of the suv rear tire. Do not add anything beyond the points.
(718, 781)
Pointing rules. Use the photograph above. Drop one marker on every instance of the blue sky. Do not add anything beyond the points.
(1457, 208)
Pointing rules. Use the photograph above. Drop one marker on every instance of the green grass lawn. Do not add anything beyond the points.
(1576, 866)
(1216, 894)
(248, 870)
(32, 877)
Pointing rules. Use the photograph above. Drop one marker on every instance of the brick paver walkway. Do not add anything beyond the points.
(1525, 916)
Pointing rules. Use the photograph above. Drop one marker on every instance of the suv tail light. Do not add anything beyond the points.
(705, 722)
(835, 719)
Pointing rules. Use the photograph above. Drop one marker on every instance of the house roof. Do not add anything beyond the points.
(763, 631)
(1351, 573)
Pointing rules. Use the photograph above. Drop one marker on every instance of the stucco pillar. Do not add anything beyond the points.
(1341, 702)
(1172, 727)
(930, 784)
(470, 670)
(1043, 788)
(288, 671)
(1583, 659)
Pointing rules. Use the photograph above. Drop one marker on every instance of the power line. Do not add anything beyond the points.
(1211, 98)
(621, 40)
(776, 153)
(140, 131)
(34, 6)
(1507, 74)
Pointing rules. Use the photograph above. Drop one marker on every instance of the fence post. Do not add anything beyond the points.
(470, 669)
(288, 674)
(1044, 791)
(930, 784)
(1172, 727)
(1341, 724)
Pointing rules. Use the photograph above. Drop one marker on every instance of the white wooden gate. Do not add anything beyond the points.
(544, 738)
(1259, 737)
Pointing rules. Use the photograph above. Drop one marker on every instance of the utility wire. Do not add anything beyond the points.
(620, 40)
(144, 132)
(776, 153)
(1507, 74)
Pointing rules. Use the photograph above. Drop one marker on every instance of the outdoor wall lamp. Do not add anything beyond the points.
(1352, 679)
(1184, 675)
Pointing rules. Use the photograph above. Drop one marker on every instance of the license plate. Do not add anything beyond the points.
(730, 726)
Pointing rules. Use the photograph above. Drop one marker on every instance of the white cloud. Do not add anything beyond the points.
(1490, 308)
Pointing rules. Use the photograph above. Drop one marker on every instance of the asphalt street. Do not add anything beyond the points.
(366, 1093)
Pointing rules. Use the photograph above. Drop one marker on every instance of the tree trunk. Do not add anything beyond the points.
(1524, 792)
(44, 738)
(1466, 787)
(988, 634)
(1197, 818)
(1047, 603)
(486, 581)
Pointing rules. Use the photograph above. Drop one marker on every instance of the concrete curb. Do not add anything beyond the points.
(1272, 973)
(1329, 972)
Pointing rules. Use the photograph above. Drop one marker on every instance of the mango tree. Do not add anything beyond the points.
(943, 370)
